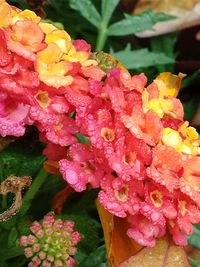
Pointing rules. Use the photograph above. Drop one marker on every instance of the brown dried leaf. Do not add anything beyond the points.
(118, 245)
(193, 253)
(165, 5)
(107, 224)
(164, 254)
(124, 252)
(13, 184)
(121, 247)
(187, 13)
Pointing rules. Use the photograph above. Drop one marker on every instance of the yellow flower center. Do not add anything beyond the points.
(182, 207)
(188, 144)
(122, 194)
(156, 198)
(171, 138)
(43, 99)
(108, 134)
(130, 158)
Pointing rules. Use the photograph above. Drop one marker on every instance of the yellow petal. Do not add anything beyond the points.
(154, 104)
(192, 133)
(57, 34)
(188, 148)
(50, 54)
(60, 68)
(167, 105)
(90, 62)
(5, 14)
(47, 27)
(171, 81)
(56, 81)
(82, 56)
(183, 128)
(63, 44)
(171, 138)
(145, 100)
(26, 14)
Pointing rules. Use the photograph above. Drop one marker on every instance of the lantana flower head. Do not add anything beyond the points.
(52, 242)
(139, 152)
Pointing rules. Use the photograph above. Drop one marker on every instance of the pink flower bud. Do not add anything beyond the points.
(23, 241)
(31, 239)
(39, 233)
(42, 255)
(51, 245)
(36, 247)
(28, 252)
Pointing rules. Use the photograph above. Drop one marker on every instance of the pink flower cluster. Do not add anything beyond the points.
(141, 154)
(52, 243)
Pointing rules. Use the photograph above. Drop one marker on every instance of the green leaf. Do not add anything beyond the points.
(87, 10)
(194, 263)
(192, 79)
(55, 23)
(18, 262)
(190, 108)
(18, 163)
(84, 205)
(10, 252)
(195, 237)
(96, 258)
(52, 185)
(89, 228)
(107, 9)
(137, 23)
(22, 157)
(81, 138)
(13, 236)
(20, 4)
(141, 58)
(164, 43)
(198, 129)
(3, 264)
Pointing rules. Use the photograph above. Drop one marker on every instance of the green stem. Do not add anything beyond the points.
(37, 183)
(102, 37)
